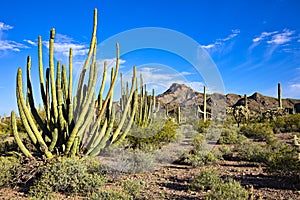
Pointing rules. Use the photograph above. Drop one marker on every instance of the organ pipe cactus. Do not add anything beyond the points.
(146, 107)
(72, 125)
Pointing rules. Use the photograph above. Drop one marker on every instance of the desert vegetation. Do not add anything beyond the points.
(141, 147)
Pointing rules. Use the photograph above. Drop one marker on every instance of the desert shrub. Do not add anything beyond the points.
(134, 161)
(7, 146)
(158, 136)
(132, 188)
(209, 180)
(200, 155)
(287, 123)
(250, 151)
(202, 126)
(258, 131)
(206, 180)
(281, 156)
(140, 162)
(226, 152)
(228, 190)
(8, 168)
(110, 194)
(198, 158)
(71, 176)
(230, 136)
(276, 155)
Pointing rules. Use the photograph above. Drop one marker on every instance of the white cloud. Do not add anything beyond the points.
(30, 42)
(235, 33)
(5, 27)
(275, 37)
(197, 86)
(263, 35)
(62, 45)
(209, 46)
(160, 77)
(282, 38)
(220, 42)
(7, 45)
(292, 90)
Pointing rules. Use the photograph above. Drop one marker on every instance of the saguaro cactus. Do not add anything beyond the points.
(204, 112)
(279, 96)
(246, 101)
(72, 125)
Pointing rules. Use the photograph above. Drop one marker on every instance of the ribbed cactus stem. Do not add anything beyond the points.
(204, 104)
(125, 132)
(27, 113)
(127, 106)
(42, 82)
(25, 122)
(102, 86)
(17, 137)
(87, 62)
(52, 76)
(48, 93)
(64, 83)
(70, 95)
(122, 93)
(83, 112)
(279, 96)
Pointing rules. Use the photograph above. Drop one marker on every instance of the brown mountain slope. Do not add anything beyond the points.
(180, 94)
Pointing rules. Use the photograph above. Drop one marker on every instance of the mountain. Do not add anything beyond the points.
(180, 94)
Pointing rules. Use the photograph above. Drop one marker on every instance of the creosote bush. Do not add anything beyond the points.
(71, 176)
(287, 123)
(156, 138)
(276, 155)
(8, 168)
(200, 155)
(230, 136)
(258, 131)
(218, 188)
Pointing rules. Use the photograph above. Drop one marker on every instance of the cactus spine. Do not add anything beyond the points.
(72, 125)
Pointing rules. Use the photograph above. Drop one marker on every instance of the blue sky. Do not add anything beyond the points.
(254, 44)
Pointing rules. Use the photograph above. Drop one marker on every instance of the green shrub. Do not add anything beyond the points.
(71, 176)
(153, 137)
(140, 161)
(8, 168)
(110, 194)
(200, 155)
(258, 131)
(132, 187)
(230, 136)
(226, 152)
(228, 190)
(206, 180)
(202, 126)
(287, 123)
(209, 180)
(276, 154)
(250, 151)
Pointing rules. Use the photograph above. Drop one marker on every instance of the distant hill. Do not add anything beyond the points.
(180, 94)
